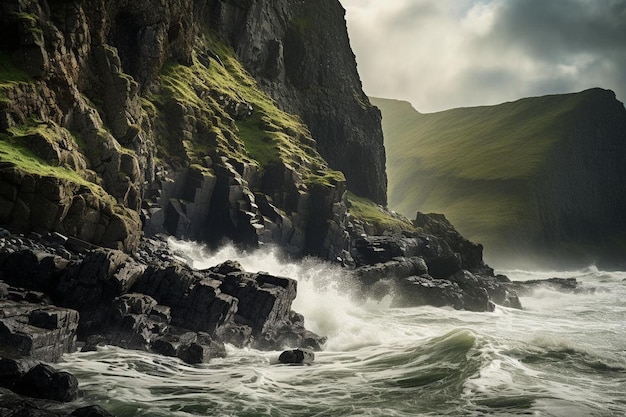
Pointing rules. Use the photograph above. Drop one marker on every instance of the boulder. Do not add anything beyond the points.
(11, 370)
(475, 295)
(36, 331)
(14, 405)
(192, 348)
(43, 381)
(297, 357)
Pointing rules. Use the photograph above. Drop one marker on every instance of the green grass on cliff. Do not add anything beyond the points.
(14, 151)
(267, 136)
(473, 164)
(376, 216)
(11, 151)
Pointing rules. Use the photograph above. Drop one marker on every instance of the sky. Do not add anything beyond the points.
(441, 54)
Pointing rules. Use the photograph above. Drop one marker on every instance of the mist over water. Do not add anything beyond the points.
(563, 355)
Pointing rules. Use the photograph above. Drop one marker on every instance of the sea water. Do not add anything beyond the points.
(562, 355)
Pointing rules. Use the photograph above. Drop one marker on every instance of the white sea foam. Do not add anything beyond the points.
(564, 353)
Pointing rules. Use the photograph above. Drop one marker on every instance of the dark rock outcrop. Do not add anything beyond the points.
(43, 381)
(297, 357)
(29, 330)
(567, 285)
(168, 306)
(434, 265)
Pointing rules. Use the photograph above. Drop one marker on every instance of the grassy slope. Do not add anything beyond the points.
(472, 164)
(268, 136)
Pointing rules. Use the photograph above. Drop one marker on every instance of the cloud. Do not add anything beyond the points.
(454, 53)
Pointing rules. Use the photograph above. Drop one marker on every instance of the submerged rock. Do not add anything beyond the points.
(297, 357)
(557, 284)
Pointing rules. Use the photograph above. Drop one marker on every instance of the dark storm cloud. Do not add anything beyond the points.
(550, 29)
(452, 53)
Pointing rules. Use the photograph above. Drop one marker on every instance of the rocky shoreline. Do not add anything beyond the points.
(58, 295)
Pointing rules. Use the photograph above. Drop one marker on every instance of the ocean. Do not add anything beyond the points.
(564, 355)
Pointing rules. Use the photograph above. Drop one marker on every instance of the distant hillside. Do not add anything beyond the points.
(541, 176)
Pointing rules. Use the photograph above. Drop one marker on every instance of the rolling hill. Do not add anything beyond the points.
(540, 177)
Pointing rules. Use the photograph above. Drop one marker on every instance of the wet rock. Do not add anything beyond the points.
(132, 324)
(43, 381)
(11, 370)
(192, 348)
(34, 331)
(297, 357)
(12, 404)
(558, 284)
(475, 295)
(425, 290)
(397, 268)
(202, 350)
(470, 254)
(290, 333)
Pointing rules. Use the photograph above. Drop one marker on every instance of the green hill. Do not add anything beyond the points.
(516, 175)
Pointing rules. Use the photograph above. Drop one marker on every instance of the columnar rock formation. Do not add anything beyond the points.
(128, 113)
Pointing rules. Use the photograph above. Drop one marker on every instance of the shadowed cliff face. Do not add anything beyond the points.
(539, 178)
(146, 113)
(300, 53)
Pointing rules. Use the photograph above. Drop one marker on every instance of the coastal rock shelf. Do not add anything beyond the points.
(149, 301)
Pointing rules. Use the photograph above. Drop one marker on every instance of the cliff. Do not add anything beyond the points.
(538, 178)
(300, 54)
(205, 120)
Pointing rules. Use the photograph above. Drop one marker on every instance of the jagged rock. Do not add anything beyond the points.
(35, 331)
(289, 334)
(470, 254)
(190, 347)
(202, 350)
(297, 357)
(475, 295)
(425, 290)
(43, 381)
(264, 300)
(132, 324)
(558, 284)
(91, 285)
(397, 268)
(195, 299)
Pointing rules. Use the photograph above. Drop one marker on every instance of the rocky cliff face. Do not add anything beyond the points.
(118, 116)
(577, 200)
(300, 54)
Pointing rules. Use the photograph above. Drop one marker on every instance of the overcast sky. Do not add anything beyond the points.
(440, 54)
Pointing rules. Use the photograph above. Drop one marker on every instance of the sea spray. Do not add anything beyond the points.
(327, 293)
